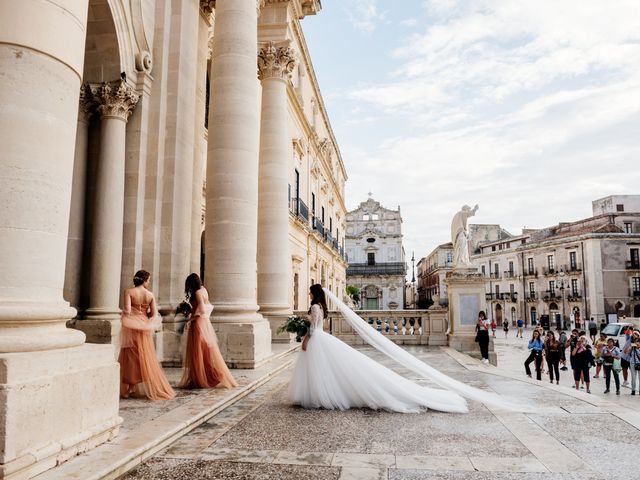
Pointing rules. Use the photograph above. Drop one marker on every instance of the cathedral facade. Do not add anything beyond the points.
(174, 137)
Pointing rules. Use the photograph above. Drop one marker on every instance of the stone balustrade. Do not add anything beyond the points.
(405, 327)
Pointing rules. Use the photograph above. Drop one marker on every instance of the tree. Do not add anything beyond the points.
(354, 293)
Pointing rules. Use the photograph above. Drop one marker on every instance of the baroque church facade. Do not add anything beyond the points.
(167, 136)
(376, 256)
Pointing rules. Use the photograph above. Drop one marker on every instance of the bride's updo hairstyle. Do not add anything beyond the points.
(191, 285)
(317, 294)
(140, 277)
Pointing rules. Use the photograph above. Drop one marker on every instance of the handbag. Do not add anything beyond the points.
(617, 365)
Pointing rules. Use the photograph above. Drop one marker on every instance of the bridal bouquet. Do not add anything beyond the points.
(297, 325)
(184, 308)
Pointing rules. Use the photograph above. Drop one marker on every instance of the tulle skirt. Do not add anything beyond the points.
(139, 365)
(204, 366)
(332, 375)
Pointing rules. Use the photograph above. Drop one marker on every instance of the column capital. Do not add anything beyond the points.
(115, 99)
(275, 61)
(207, 6)
(86, 106)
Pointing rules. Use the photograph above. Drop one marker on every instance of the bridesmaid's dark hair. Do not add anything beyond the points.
(140, 277)
(191, 285)
(318, 298)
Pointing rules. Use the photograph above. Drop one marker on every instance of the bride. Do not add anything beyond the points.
(330, 374)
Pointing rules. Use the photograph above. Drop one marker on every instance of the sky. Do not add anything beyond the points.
(530, 109)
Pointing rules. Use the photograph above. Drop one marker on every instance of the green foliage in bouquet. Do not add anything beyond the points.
(297, 325)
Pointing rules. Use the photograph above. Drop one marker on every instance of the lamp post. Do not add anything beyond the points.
(562, 288)
(413, 280)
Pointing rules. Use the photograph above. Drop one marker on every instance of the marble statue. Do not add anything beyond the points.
(460, 237)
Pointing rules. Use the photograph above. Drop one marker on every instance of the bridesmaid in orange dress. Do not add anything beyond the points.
(204, 366)
(140, 372)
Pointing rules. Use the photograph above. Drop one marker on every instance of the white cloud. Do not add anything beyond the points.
(363, 14)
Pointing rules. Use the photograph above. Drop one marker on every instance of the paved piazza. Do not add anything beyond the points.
(572, 436)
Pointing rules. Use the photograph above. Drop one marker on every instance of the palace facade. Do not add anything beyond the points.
(156, 135)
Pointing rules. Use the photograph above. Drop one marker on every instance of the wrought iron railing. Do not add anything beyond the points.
(397, 268)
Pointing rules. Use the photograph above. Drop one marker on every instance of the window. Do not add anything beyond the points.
(297, 191)
(497, 291)
(512, 289)
(635, 286)
(493, 248)
(496, 269)
(573, 264)
(634, 253)
(574, 287)
(313, 204)
(371, 240)
(330, 224)
(619, 207)
(450, 258)
(322, 215)
(532, 289)
(371, 258)
(483, 270)
(511, 269)
(551, 263)
(628, 228)
(530, 265)
(552, 288)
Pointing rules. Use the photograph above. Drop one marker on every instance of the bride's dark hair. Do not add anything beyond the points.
(191, 285)
(318, 298)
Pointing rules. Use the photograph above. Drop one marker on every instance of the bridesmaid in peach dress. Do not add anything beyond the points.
(140, 372)
(204, 366)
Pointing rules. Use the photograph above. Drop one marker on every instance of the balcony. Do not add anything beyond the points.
(299, 209)
(318, 226)
(531, 273)
(633, 264)
(396, 268)
(510, 274)
(495, 275)
(574, 297)
(510, 297)
(635, 294)
(551, 296)
(532, 297)
(550, 271)
(573, 268)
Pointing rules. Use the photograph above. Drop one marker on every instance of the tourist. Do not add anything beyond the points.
(562, 340)
(603, 324)
(632, 349)
(625, 359)
(552, 354)
(505, 328)
(537, 347)
(140, 371)
(583, 359)
(598, 344)
(494, 326)
(611, 353)
(593, 329)
(571, 343)
(203, 365)
(520, 324)
(482, 336)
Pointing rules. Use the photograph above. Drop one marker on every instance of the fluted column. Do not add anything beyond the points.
(275, 64)
(115, 102)
(58, 396)
(232, 186)
(75, 243)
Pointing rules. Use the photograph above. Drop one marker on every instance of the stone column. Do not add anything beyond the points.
(275, 64)
(115, 102)
(58, 396)
(75, 243)
(232, 186)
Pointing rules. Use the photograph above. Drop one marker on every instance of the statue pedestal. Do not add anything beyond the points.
(465, 287)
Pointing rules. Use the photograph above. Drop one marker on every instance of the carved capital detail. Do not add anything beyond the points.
(276, 62)
(87, 105)
(207, 6)
(115, 99)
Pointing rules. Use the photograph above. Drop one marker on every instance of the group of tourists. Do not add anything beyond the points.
(602, 352)
(140, 372)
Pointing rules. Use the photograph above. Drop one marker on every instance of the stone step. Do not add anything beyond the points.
(137, 443)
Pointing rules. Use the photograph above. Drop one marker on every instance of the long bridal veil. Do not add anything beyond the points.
(400, 355)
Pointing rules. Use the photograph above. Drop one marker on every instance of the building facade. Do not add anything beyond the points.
(569, 272)
(432, 271)
(373, 245)
(171, 136)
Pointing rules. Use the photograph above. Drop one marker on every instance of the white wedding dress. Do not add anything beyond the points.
(330, 374)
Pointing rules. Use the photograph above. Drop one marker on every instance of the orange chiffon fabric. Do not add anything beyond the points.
(139, 365)
(204, 366)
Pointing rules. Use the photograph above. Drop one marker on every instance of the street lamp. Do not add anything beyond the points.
(562, 288)
(413, 280)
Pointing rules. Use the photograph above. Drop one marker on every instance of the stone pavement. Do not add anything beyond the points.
(572, 436)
